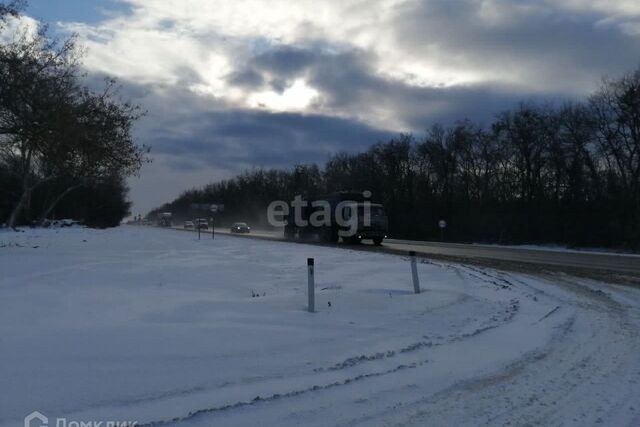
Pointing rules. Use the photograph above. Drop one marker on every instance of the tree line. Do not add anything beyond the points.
(539, 173)
(65, 149)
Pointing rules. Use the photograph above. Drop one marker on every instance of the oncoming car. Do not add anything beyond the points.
(188, 225)
(240, 227)
(202, 223)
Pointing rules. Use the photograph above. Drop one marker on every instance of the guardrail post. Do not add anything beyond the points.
(311, 287)
(414, 272)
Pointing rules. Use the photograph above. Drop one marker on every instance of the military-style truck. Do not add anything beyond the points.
(164, 219)
(349, 215)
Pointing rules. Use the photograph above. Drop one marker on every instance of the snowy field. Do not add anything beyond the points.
(153, 326)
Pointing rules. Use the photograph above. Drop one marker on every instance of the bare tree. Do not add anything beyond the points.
(95, 142)
(617, 111)
(38, 79)
(52, 127)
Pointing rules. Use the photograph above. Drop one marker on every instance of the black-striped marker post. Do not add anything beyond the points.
(414, 272)
(311, 286)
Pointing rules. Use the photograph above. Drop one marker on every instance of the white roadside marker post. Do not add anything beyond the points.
(414, 272)
(311, 287)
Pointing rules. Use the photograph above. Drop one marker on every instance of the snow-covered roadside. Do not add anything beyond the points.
(152, 325)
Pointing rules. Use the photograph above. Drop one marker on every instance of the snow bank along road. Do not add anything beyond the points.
(581, 260)
(154, 326)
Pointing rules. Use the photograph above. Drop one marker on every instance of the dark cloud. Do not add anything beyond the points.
(537, 40)
(287, 61)
(215, 134)
(243, 138)
(347, 81)
(246, 79)
(275, 67)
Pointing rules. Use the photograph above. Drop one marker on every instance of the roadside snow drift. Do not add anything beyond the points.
(154, 326)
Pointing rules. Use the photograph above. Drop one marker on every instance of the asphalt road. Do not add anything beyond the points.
(575, 260)
(620, 263)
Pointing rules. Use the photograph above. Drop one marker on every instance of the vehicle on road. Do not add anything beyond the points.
(60, 223)
(164, 219)
(240, 227)
(351, 216)
(189, 225)
(202, 223)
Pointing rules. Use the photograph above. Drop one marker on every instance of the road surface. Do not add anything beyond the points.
(626, 264)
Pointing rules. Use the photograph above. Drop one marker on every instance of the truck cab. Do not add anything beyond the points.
(371, 225)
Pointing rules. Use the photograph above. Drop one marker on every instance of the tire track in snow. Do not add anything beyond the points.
(498, 319)
(277, 396)
(431, 407)
(494, 322)
(579, 374)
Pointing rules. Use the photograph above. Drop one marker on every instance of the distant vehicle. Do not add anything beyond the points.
(240, 227)
(59, 223)
(353, 206)
(202, 223)
(189, 225)
(164, 219)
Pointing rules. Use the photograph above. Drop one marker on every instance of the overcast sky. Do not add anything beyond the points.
(234, 84)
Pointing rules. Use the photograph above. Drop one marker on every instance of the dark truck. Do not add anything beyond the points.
(164, 219)
(343, 206)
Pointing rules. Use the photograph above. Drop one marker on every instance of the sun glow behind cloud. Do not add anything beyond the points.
(298, 96)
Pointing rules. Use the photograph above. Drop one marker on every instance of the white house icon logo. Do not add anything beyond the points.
(35, 415)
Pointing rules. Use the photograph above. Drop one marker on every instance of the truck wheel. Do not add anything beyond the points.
(289, 234)
(304, 234)
(330, 235)
(377, 241)
(355, 240)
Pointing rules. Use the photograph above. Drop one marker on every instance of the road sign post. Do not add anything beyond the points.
(442, 224)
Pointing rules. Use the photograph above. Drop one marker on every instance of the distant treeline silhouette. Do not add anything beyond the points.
(565, 174)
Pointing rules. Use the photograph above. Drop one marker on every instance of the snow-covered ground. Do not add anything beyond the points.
(154, 326)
